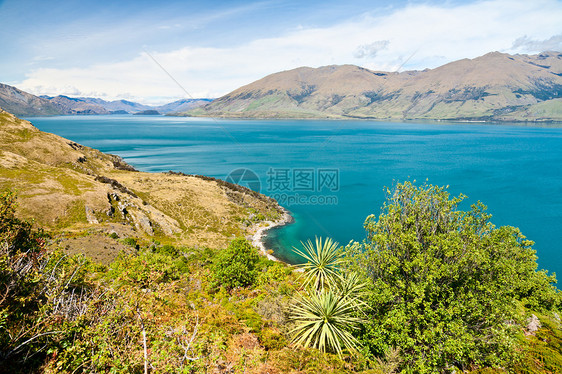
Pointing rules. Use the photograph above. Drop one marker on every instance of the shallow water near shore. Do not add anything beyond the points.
(515, 170)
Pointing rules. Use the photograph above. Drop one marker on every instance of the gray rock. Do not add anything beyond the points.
(533, 324)
(90, 216)
(143, 223)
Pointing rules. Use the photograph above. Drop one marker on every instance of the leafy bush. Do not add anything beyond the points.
(273, 272)
(21, 299)
(236, 265)
(271, 339)
(445, 282)
(167, 249)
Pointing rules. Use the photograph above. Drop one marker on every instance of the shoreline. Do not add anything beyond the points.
(262, 227)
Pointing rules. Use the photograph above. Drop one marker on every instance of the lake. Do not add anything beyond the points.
(331, 174)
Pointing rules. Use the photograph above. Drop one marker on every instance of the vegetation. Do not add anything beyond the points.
(326, 313)
(60, 313)
(448, 288)
(236, 266)
(433, 288)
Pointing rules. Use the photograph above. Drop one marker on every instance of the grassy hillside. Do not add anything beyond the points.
(64, 185)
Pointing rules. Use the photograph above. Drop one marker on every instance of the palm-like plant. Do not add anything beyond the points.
(327, 312)
(351, 286)
(323, 320)
(323, 260)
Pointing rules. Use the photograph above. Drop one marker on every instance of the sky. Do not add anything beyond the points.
(156, 52)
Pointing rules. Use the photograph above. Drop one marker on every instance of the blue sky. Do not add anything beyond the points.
(103, 48)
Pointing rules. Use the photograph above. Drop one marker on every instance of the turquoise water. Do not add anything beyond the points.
(514, 170)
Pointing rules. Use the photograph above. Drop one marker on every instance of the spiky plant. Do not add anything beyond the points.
(351, 286)
(323, 321)
(323, 260)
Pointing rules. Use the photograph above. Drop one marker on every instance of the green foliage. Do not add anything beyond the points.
(39, 291)
(130, 242)
(17, 235)
(326, 313)
(323, 320)
(167, 249)
(322, 263)
(271, 339)
(273, 273)
(236, 265)
(147, 268)
(21, 250)
(445, 281)
(542, 352)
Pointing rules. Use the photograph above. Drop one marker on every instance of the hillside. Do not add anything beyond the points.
(495, 86)
(22, 103)
(63, 185)
(70, 106)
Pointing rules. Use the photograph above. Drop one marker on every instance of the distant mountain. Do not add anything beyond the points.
(22, 103)
(182, 105)
(495, 86)
(120, 106)
(25, 104)
(71, 105)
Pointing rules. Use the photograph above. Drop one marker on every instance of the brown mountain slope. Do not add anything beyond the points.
(22, 103)
(63, 185)
(495, 86)
(69, 105)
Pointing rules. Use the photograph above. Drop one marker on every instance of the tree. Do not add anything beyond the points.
(445, 282)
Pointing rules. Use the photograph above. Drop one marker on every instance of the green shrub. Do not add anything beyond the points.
(236, 265)
(146, 269)
(445, 281)
(273, 272)
(40, 292)
(130, 242)
(271, 339)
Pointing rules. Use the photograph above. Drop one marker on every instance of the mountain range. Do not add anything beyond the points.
(493, 87)
(496, 86)
(24, 104)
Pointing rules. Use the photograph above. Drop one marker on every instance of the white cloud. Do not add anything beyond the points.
(370, 50)
(431, 35)
(525, 43)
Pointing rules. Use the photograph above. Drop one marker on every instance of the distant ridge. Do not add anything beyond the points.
(24, 104)
(496, 86)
